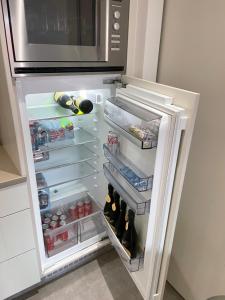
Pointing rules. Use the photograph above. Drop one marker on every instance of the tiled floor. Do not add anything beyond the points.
(101, 279)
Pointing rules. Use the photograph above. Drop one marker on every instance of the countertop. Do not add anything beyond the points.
(8, 173)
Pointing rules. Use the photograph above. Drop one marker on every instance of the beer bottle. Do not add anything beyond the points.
(85, 106)
(129, 240)
(115, 211)
(109, 200)
(120, 223)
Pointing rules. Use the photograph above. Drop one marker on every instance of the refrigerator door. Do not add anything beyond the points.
(175, 110)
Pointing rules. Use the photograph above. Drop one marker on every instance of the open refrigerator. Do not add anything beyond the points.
(72, 164)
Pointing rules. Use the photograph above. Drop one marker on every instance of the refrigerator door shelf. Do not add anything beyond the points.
(76, 230)
(53, 178)
(133, 176)
(137, 204)
(136, 124)
(132, 264)
(80, 136)
(65, 157)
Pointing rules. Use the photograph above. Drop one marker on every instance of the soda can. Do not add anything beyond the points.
(63, 217)
(48, 215)
(47, 221)
(80, 209)
(64, 235)
(49, 240)
(87, 207)
(113, 142)
(59, 212)
(55, 218)
(53, 225)
(45, 227)
(73, 212)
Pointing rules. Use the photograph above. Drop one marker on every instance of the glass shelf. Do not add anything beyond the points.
(49, 112)
(133, 176)
(59, 176)
(80, 223)
(136, 124)
(66, 156)
(81, 137)
(132, 264)
(134, 202)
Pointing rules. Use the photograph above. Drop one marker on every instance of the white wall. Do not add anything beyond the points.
(192, 57)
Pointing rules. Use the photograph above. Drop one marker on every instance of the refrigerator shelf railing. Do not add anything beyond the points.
(81, 137)
(136, 124)
(54, 178)
(132, 264)
(139, 205)
(76, 229)
(65, 157)
(128, 171)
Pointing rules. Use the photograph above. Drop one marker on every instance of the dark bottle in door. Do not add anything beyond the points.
(129, 240)
(120, 223)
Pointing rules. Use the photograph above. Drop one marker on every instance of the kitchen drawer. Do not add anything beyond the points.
(18, 274)
(13, 199)
(16, 234)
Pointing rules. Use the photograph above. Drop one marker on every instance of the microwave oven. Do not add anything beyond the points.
(54, 36)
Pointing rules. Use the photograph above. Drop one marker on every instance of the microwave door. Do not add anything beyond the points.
(55, 30)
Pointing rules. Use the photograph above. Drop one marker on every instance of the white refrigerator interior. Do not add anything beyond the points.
(71, 163)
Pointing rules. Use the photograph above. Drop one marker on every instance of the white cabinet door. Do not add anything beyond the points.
(16, 235)
(13, 199)
(18, 274)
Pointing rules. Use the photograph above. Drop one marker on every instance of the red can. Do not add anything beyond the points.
(73, 212)
(80, 209)
(64, 235)
(87, 207)
(49, 240)
(48, 215)
(53, 225)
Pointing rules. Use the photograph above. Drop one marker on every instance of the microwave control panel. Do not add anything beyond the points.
(116, 26)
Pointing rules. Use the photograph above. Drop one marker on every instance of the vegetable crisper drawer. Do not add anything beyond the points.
(136, 178)
(136, 124)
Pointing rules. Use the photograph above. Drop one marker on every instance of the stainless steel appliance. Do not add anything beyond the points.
(53, 36)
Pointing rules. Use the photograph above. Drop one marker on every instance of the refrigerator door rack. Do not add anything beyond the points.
(128, 171)
(132, 264)
(139, 126)
(137, 204)
(65, 157)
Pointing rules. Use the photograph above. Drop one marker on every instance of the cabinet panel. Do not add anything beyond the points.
(18, 274)
(16, 235)
(13, 199)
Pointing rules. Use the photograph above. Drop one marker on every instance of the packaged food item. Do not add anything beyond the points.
(40, 179)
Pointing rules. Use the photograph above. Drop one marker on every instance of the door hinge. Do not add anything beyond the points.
(117, 81)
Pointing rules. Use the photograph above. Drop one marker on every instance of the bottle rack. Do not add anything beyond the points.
(136, 124)
(132, 264)
(136, 178)
(75, 230)
(137, 204)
